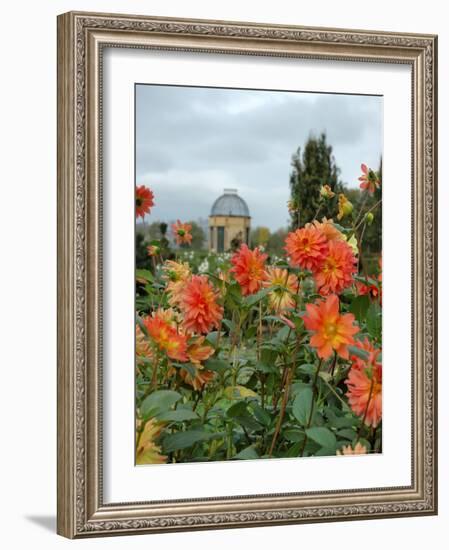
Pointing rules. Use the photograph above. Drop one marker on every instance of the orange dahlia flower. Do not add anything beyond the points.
(199, 305)
(336, 271)
(175, 273)
(143, 347)
(249, 269)
(367, 290)
(331, 330)
(166, 337)
(364, 384)
(358, 449)
(202, 377)
(373, 354)
(369, 180)
(144, 201)
(328, 228)
(198, 351)
(307, 247)
(181, 232)
(147, 452)
(286, 285)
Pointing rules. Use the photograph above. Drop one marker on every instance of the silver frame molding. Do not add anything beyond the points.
(81, 39)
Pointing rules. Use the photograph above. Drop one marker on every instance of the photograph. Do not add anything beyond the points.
(258, 274)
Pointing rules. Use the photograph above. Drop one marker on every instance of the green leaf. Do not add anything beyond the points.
(347, 433)
(217, 365)
(340, 421)
(284, 333)
(142, 326)
(326, 451)
(182, 440)
(360, 353)
(179, 415)
(272, 318)
(323, 436)
(261, 414)
(341, 228)
(212, 338)
(250, 332)
(187, 367)
(254, 299)
(302, 405)
(307, 369)
(359, 306)
(326, 376)
(249, 453)
(158, 402)
(265, 368)
(248, 422)
(238, 392)
(268, 356)
(144, 274)
(233, 295)
(366, 280)
(294, 435)
(190, 369)
(294, 450)
(229, 325)
(374, 320)
(236, 409)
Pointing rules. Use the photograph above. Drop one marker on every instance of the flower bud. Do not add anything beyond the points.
(345, 207)
(326, 192)
(153, 250)
(369, 218)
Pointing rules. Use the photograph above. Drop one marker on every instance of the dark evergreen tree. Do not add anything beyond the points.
(313, 167)
(142, 259)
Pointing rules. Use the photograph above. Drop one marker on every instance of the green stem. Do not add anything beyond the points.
(359, 432)
(309, 420)
(334, 363)
(359, 221)
(155, 368)
(285, 397)
(229, 441)
(318, 210)
(259, 332)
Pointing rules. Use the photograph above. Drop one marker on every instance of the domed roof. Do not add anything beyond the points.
(230, 204)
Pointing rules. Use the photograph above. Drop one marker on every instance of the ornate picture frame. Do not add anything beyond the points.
(82, 38)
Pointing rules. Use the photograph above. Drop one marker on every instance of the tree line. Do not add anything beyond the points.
(312, 167)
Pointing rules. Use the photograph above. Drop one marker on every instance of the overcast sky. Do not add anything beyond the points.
(191, 143)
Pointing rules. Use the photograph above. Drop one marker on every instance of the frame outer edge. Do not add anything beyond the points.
(76, 425)
(435, 269)
(66, 288)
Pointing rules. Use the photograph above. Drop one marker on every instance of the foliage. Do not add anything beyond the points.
(312, 168)
(264, 352)
(260, 236)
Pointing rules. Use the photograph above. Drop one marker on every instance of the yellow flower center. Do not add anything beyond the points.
(330, 265)
(330, 330)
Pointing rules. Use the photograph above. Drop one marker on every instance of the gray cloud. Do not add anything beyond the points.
(193, 142)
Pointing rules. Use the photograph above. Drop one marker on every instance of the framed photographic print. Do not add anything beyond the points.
(247, 235)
